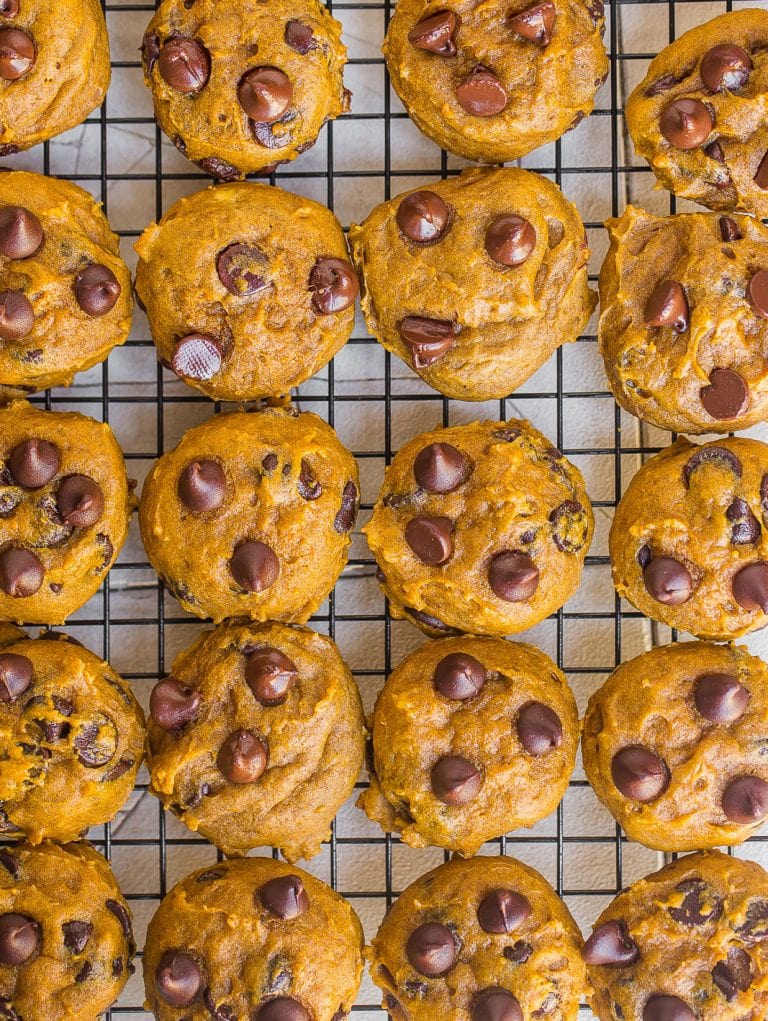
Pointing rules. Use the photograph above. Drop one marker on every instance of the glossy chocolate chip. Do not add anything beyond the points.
(178, 978)
(745, 528)
(333, 285)
(667, 581)
(711, 453)
(15, 676)
(422, 216)
(686, 123)
(17, 317)
(455, 780)
(9, 8)
(758, 292)
(745, 800)
(185, 65)
(19, 938)
(459, 676)
(254, 566)
(495, 1005)
(761, 174)
(700, 905)
(21, 233)
(96, 290)
(535, 23)
(639, 774)
(734, 974)
(428, 339)
(750, 586)
(21, 572)
(720, 698)
(430, 538)
(667, 1008)
(76, 935)
(172, 704)
(270, 675)
(513, 576)
(241, 269)
(611, 945)
(727, 395)
(265, 93)
(282, 1008)
(33, 463)
(242, 757)
(17, 53)
(197, 356)
(202, 486)
(667, 306)
(441, 468)
(284, 897)
(539, 728)
(431, 949)
(435, 34)
(502, 911)
(299, 37)
(725, 67)
(729, 229)
(481, 94)
(510, 239)
(80, 501)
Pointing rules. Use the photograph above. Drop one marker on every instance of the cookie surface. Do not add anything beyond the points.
(483, 938)
(491, 82)
(683, 329)
(471, 738)
(55, 72)
(65, 506)
(248, 289)
(687, 943)
(253, 938)
(476, 280)
(239, 88)
(688, 544)
(65, 294)
(698, 116)
(250, 514)
(66, 939)
(480, 528)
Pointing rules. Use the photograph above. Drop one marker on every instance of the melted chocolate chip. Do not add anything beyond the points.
(80, 501)
(270, 675)
(459, 676)
(455, 780)
(720, 698)
(15, 676)
(745, 800)
(435, 34)
(308, 486)
(427, 339)
(96, 741)
(172, 705)
(441, 468)
(481, 94)
(707, 454)
(185, 65)
(19, 938)
(667, 306)
(725, 67)
(611, 945)
(150, 50)
(503, 911)
(218, 168)
(668, 581)
(422, 216)
(701, 904)
(284, 897)
(333, 284)
(76, 935)
(570, 526)
(21, 572)
(510, 239)
(242, 757)
(254, 566)
(21, 233)
(734, 974)
(96, 290)
(539, 729)
(761, 174)
(729, 229)
(431, 949)
(202, 486)
(240, 268)
(727, 395)
(519, 952)
(430, 538)
(178, 978)
(347, 513)
(639, 774)
(750, 586)
(686, 123)
(745, 528)
(755, 928)
(513, 576)
(299, 37)
(535, 23)
(265, 93)
(17, 53)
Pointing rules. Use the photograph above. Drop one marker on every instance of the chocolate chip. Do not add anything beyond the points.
(745, 800)
(455, 780)
(17, 317)
(459, 676)
(265, 93)
(80, 501)
(345, 517)
(755, 928)
(218, 168)
(734, 974)
(428, 339)
(686, 123)
(611, 945)
(430, 538)
(720, 698)
(481, 94)
(708, 454)
(435, 34)
(333, 284)
(76, 935)
(441, 468)
(510, 239)
(519, 952)
(9, 8)
(34, 463)
(761, 174)
(219, 1012)
(639, 774)
(96, 290)
(269, 463)
(701, 904)
(15, 676)
(745, 528)
(664, 84)
(570, 526)
(539, 728)
(284, 897)
(667, 1008)
(172, 705)
(242, 757)
(667, 306)
(150, 50)
(758, 292)
(178, 978)
(240, 268)
(502, 911)
(431, 949)
(282, 1008)
(535, 23)
(513, 576)
(726, 396)
(21, 572)
(265, 135)
(254, 566)
(197, 356)
(299, 37)
(270, 675)
(422, 216)
(184, 64)
(495, 1005)
(9, 863)
(729, 229)
(21, 233)
(96, 741)
(667, 581)
(308, 486)
(19, 938)
(119, 769)
(715, 151)
(725, 67)
(85, 972)
(202, 486)
(17, 53)
(750, 586)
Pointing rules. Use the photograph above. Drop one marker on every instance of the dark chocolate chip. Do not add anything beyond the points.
(96, 290)
(664, 84)
(308, 486)
(96, 741)
(755, 928)
(745, 528)
(427, 339)
(76, 935)
(758, 292)
(242, 757)
(197, 356)
(519, 952)
(241, 268)
(17, 317)
(535, 23)
(184, 64)
(510, 239)
(734, 974)
(80, 501)
(611, 945)
(119, 769)
(178, 978)
(495, 1005)
(639, 774)
(725, 67)
(282, 1008)
(667, 1008)
(17, 53)
(455, 780)
(270, 675)
(21, 572)
(172, 705)
(750, 586)
(430, 538)
(701, 904)
(15, 676)
(686, 123)
(9, 8)
(570, 526)
(459, 676)
(150, 50)
(265, 93)
(218, 168)
(435, 34)
(729, 229)
(431, 949)
(333, 284)
(481, 94)
(34, 463)
(668, 581)
(513, 576)
(715, 151)
(299, 37)
(202, 486)
(712, 453)
(21, 233)
(761, 174)
(667, 306)
(284, 897)
(745, 800)
(19, 937)
(539, 728)
(433, 623)
(269, 463)
(85, 972)
(254, 566)
(720, 698)
(347, 513)
(727, 395)
(9, 863)
(422, 216)
(502, 911)
(441, 468)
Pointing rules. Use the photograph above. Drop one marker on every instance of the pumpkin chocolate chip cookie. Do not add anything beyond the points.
(683, 324)
(698, 116)
(481, 528)
(252, 939)
(487, 939)
(247, 288)
(65, 293)
(250, 515)
(493, 81)
(475, 281)
(688, 543)
(654, 732)
(688, 943)
(239, 88)
(471, 738)
(65, 506)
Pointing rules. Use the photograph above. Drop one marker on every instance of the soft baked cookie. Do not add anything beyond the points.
(688, 543)
(493, 81)
(486, 939)
(250, 515)
(252, 939)
(674, 745)
(683, 331)
(66, 939)
(698, 116)
(72, 736)
(54, 68)
(471, 738)
(476, 280)
(65, 293)
(239, 88)
(481, 528)
(687, 943)
(248, 289)
(257, 738)
(65, 506)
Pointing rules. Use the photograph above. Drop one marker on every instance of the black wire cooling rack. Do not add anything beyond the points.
(136, 625)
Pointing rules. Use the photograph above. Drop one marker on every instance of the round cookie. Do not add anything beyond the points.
(687, 943)
(491, 82)
(654, 731)
(250, 515)
(65, 294)
(683, 329)
(54, 68)
(72, 734)
(476, 280)
(65, 506)
(480, 528)
(256, 939)
(247, 288)
(257, 738)
(698, 116)
(66, 939)
(471, 738)
(687, 542)
(487, 939)
(241, 88)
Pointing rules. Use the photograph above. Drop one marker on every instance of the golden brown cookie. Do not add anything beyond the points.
(493, 81)
(471, 738)
(688, 943)
(65, 293)
(252, 939)
(683, 331)
(480, 528)
(698, 116)
(240, 88)
(257, 738)
(250, 514)
(674, 746)
(247, 288)
(476, 280)
(485, 939)
(66, 939)
(54, 68)
(688, 543)
(65, 506)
